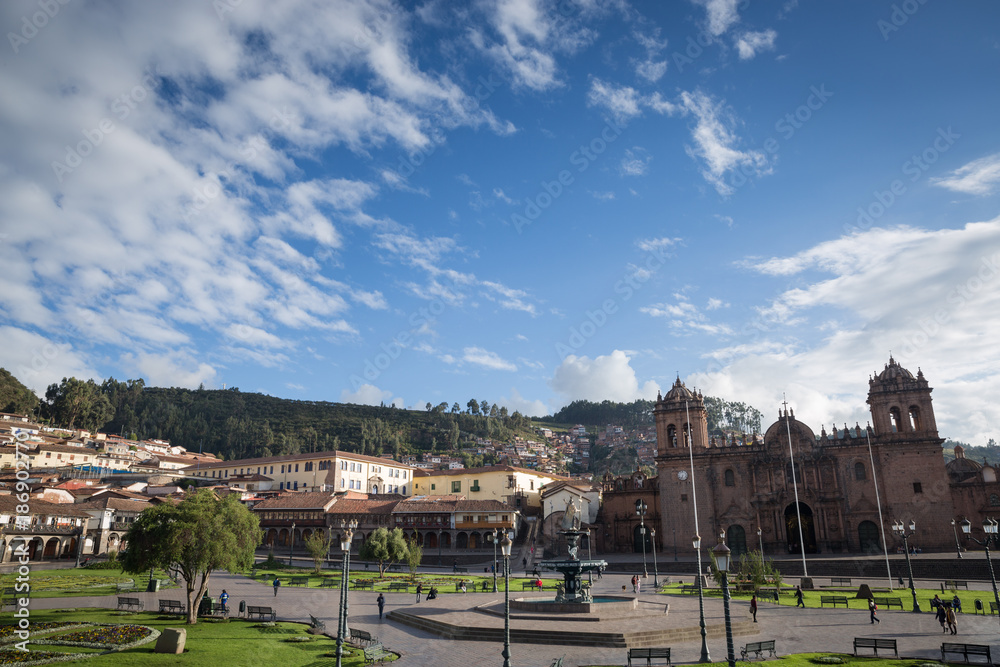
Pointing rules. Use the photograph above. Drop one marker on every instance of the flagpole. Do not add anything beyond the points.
(878, 503)
(705, 657)
(795, 488)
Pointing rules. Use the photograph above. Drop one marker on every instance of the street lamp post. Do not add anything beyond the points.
(640, 509)
(656, 569)
(696, 542)
(722, 562)
(899, 529)
(958, 546)
(291, 543)
(505, 545)
(345, 545)
(492, 537)
(990, 527)
(439, 547)
(760, 540)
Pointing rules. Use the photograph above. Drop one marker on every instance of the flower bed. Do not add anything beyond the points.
(7, 631)
(25, 658)
(105, 636)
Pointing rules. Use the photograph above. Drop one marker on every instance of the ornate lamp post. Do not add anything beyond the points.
(990, 527)
(760, 539)
(291, 543)
(345, 545)
(696, 542)
(722, 562)
(656, 570)
(493, 537)
(640, 509)
(439, 547)
(505, 545)
(899, 529)
(958, 546)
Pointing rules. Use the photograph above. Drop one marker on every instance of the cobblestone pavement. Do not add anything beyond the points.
(795, 630)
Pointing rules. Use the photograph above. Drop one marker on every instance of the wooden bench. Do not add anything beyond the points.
(463, 570)
(376, 653)
(533, 585)
(966, 651)
(689, 588)
(363, 584)
(875, 644)
(758, 648)
(889, 603)
(362, 636)
(125, 588)
(329, 583)
(833, 599)
(840, 581)
(171, 607)
(459, 584)
(261, 613)
(316, 623)
(399, 586)
(132, 604)
(649, 654)
(768, 592)
(299, 581)
(952, 584)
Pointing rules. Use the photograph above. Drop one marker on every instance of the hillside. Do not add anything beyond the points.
(14, 396)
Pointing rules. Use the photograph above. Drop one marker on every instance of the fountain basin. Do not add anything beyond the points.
(611, 604)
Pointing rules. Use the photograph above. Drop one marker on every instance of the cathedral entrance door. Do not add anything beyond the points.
(792, 528)
(868, 537)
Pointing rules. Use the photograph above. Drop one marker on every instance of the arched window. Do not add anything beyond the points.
(895, 421)
(730, 478)
(859, 471)
(687, 435)
(915, 418)
(672, 435)
(736, 539)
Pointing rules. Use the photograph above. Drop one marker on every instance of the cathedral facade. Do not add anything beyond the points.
(829, 503)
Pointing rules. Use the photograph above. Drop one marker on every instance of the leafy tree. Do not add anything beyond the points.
(455, 409)
(198, 535)
(428, 406)
(414, 554)
(14, 396)
(473, 406)
(384, 547)
(484, 407)
(318, 546)
(74, 403)
(753, 567)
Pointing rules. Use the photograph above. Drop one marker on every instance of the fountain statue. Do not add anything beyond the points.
(572, 568)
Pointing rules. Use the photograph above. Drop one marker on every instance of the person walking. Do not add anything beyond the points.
(638, 584)
(753, 608)
(873, 611)
(380, 601)
(277, 585)
(952, 620)
(524, 561)
(224, 600)
(633, 583)
(420, 589)
(798, 597)
(942, 616)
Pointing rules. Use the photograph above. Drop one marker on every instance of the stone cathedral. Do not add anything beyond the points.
(745, 485)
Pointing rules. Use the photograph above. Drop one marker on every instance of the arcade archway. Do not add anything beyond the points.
(792, 528)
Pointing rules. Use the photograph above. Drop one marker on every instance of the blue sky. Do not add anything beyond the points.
(520, 201)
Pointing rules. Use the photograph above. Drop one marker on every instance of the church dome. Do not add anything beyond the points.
(960, 467)
(679, 392)
(893, 371)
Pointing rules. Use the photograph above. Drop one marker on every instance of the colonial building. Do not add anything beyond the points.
(742, 485)
(520, 488)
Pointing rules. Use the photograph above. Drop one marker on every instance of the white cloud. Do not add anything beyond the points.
(499, 194)
(369, 394)
(604, 195)
(526, 407)
(979, 177)
(716, 141)
(751, 43)
(608, 377)
(508, 297)
(635, 162)
(657, 245)
(625, 102)
(486, 359)
(721, 14)
(178, 368)
(683, 315)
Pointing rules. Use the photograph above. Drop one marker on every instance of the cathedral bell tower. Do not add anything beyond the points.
(672, 413)
(901, 404)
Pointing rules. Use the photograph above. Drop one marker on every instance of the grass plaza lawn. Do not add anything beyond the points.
(83, 582)
(209, 642)
(445, 583)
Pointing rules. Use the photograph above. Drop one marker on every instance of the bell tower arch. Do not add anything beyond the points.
(672, 414)
(900, 404)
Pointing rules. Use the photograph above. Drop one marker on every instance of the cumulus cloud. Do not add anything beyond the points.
(720, 14)
(625, 102)
(486, 359)
(528, 408)
(751, 43)
(609, 377)
(979, 177)
(369, 394)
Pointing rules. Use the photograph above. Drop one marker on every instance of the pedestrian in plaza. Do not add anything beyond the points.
(952, 620)
(420, 589)
(956, 604)
(524, 561)
(942, 616)
(935, 602)
(464, 589)
(277, 585)
(224, 599)
(380, 601)
(634, 579)
(798, 597)
(432, 593)
(873, 611)
(454, 565)
(753, 608)
(638, 584)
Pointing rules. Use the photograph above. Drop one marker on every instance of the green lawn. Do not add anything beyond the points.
(82, 582)
(209, 643)
(445, 583)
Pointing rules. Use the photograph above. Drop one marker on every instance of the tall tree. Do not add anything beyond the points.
(318, 547)
(384, 547)
(197, 536)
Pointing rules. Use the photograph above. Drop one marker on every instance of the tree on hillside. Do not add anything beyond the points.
(15, 398)
(196, 536)
(455, 409)
(318, 546)
(384, 547)
(473, 406)
(75, 403)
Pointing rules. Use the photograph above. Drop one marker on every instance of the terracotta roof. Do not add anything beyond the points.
(487, 469)
(42, 507)
(310, 500)
(417, 504)
(339, 454)
(111, 503)
(369, 506)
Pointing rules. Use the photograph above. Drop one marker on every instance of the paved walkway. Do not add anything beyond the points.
(795, 630)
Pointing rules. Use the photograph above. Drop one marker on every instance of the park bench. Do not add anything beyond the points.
(171, 607)
(533, 585)
(362, 636)
(993, 607)
(768, 592)
(125, 587)
(648, 654)
(399, 586)
(952, 584)
(875, 644)
(299, 581)
(758, 648)
(889, 603)
(966, 651)
(213, 609)
(132, 604)
(486, 587)
(459, 584)
(689, 588)
(261, 613)
(329, 583)
(376, 653)
(362, 584)
(840, 581)
(316, 623)
(463, 570)
(833, 599)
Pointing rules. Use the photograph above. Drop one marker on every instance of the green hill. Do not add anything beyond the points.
(14, 396)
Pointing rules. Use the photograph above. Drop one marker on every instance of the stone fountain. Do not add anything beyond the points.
(572, 568)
